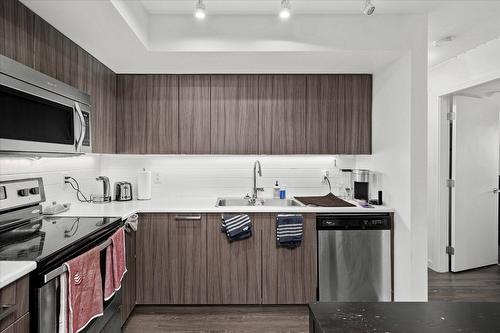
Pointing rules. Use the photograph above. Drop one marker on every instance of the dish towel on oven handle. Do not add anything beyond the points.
(289, 230)
(116, 265)
(84, 291)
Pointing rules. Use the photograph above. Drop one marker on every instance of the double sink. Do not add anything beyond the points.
(270, 202)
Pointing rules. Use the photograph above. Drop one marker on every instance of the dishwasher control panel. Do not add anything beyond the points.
(354, 222)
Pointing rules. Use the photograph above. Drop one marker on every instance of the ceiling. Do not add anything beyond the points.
(247, 36)
(489, 90)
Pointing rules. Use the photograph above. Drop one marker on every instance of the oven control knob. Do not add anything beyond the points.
(35, 190)
(24, 192)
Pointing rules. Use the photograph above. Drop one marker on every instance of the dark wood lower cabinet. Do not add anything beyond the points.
(289, 275)
(234, 269)
(171, 259)
(186, 259)
(15, 294)
(129, 280)
(22, 325)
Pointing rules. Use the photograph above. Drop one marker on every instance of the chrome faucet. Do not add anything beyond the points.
(256, 189)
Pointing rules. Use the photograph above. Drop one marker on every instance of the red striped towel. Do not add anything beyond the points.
(115, 264)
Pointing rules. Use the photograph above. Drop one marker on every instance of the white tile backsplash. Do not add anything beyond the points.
(180, 175)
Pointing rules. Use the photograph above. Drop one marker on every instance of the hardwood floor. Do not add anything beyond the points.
(220, 319)
(478, 285)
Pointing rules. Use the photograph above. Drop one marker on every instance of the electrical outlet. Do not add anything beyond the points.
(156, 178)
(324, 173)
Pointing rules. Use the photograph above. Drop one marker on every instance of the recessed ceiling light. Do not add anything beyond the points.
(443, 41)
(200, 11)
(286, 9)
(368, 8)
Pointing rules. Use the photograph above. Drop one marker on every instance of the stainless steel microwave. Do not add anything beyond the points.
(39, 114)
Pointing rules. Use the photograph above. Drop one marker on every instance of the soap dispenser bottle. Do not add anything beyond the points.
(276, 191)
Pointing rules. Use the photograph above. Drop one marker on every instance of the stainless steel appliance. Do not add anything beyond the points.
(25, 234)
(361, 184)
(354, 257)
(123, 191)
(41, 114)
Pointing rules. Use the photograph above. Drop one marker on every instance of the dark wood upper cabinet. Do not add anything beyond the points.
(282, 114)
(162, 105)
(16, 31)
(354, 115)
(234, 114)
(194, 114)
(322, 107)
(131, 135)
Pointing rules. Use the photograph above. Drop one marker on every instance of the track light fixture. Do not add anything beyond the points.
(368, 8)
(200, 11)
(286, 9)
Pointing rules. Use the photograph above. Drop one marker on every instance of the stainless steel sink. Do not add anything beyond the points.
(241, 202)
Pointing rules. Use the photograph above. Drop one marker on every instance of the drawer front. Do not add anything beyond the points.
(22, 325)
(14, 302)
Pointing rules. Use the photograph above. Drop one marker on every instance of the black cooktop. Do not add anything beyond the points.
(42, 238)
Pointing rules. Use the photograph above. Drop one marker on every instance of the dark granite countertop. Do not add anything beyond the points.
(405, 317)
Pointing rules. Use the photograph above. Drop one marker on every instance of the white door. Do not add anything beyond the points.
(475, 169)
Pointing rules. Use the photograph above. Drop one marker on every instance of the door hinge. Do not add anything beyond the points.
(450, 116)
(450, 250)
(450, 183)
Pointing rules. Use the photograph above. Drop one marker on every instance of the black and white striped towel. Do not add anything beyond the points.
(236, 226)
(289, 231)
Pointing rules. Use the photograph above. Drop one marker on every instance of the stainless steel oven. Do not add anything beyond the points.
(40, 114)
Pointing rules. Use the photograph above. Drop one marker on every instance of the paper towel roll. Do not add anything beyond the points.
(144, 185)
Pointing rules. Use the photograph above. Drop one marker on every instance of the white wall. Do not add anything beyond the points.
(52, 170)
(471, 68)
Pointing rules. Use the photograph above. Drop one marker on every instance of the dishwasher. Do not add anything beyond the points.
(354, 257)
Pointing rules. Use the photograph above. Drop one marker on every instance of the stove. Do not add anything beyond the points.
(50, 241)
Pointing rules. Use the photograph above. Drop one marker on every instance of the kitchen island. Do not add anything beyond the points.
(408, 317)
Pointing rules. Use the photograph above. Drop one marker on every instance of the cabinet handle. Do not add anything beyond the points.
(7, 310)
(188, 217)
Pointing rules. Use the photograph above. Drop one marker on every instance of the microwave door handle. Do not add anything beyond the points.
(82, 127)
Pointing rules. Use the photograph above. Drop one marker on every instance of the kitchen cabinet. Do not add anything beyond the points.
(162, 114)
(234, 268)
(171, 259)
(131, 137)
(194, 114)
(234, 114)
(282, 114)
(15, 294)
(16, 31)
(289, 275)
(129, 280)
(339, 114)
(22, 325)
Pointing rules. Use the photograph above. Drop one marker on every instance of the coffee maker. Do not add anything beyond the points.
(361, 184)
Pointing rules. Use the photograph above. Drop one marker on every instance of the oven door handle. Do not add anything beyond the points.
(82, 127)
(7, 310)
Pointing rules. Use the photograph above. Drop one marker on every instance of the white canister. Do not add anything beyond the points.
(144, 185)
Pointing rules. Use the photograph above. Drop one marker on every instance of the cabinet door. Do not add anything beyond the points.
(282, 114)
(129, 280)
(323, 96)
(194, 114)
(187, 243)
(234, 269)
(16, 31)
(234, 114)
(103, 112)
(355, 114)
(152, 259)
(162, 114)
(171, 259)
(22, 325)
(131, 114)
(289, 275)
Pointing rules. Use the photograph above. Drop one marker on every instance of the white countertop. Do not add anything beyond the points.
(125, 209)
(11, 271)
